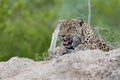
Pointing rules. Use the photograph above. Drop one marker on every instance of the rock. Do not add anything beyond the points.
(82, 65)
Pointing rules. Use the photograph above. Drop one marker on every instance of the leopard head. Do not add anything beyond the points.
(68, 30)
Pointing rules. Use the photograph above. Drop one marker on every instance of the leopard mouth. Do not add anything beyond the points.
(67, 43)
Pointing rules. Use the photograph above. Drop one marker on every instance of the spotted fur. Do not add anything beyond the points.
(76, 35)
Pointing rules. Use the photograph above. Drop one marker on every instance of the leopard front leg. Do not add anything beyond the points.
(59, 51)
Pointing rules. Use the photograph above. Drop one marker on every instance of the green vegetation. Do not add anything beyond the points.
(26, 25)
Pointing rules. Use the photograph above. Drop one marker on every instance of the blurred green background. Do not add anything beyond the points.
(26, 25)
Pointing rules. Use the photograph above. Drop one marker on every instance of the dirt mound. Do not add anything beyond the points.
(82, 65)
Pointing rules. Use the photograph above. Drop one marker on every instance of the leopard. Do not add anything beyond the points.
(77, 35)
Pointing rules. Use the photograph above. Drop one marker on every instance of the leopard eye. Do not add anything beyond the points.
(71, 28)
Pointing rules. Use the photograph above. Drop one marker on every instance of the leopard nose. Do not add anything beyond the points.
(62, 35)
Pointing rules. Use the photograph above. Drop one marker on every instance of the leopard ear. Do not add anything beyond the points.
(81, 21)
(61, 20)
